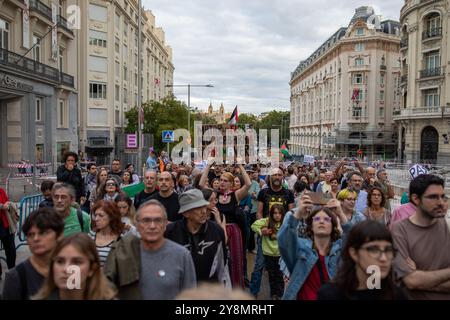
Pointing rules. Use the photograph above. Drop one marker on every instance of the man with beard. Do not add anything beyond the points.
(356, 182)
(214, 173)
(423, 241)
(274, 194)
(167, 197)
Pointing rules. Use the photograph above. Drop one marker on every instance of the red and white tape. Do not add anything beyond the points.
(30, 175)
(28, 165)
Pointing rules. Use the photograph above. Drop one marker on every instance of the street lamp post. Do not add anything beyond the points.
(320, 135)
(189, 96)
(139, 102)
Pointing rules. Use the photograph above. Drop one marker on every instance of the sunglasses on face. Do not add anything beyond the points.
(318, 219)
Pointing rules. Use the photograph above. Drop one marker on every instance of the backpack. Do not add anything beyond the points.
(80, 218)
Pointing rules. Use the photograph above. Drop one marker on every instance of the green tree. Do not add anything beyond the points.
(248, 118)
(277, 120)
(204, 118)
(168, 114)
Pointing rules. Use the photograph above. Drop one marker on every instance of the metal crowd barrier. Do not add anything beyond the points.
(26, 206)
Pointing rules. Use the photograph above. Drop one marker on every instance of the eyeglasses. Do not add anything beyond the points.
(318, 219)
(376, 252)
(436, 197)
(109, 184)
(149, 221)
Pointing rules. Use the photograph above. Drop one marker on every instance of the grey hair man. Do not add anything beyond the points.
(356, 182)
(150, 267)
(75, 220)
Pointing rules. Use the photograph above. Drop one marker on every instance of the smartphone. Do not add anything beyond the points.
(319, 198)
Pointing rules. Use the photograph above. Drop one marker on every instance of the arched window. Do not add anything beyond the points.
(432, 25)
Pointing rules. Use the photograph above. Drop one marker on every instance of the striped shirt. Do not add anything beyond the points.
(103, 251)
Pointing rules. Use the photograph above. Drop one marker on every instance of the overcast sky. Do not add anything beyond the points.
(248, 48)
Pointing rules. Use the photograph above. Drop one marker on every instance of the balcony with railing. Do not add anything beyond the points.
(432, 72)
(43, 9)
(404, 79)
(33, 68)
(64, 24)
(404, 43)
(422, 112)
(432, 33)
(355, 137)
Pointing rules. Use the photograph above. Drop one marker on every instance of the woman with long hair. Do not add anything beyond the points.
(127, 212)
(306, 178)
(210, 195)
(368, 249)
(268, 228)
(102, 176)
(227, 204)
(109, 190)
(311, 261)
(127, 179)
(75, 250)
(134, 177)
(376, 199)
(182, 184)
(108, 226)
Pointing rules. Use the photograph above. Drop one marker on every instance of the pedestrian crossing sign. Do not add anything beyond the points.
(167, 136)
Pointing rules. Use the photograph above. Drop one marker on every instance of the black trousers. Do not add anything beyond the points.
(10, 250)
(251, 239)
(275, 276)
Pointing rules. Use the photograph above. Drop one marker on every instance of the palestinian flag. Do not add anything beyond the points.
(133, 189)
(284, 150)
(234, 117)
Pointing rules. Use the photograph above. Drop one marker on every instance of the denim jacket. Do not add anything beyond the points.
(300, 257)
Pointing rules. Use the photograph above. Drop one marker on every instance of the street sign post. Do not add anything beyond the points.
(131, 141)
(168, 136)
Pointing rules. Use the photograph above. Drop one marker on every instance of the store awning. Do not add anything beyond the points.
(98, 149)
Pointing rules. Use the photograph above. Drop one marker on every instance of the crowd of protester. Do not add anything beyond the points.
(318, 229)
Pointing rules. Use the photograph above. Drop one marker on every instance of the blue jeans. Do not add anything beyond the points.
(255, 281)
